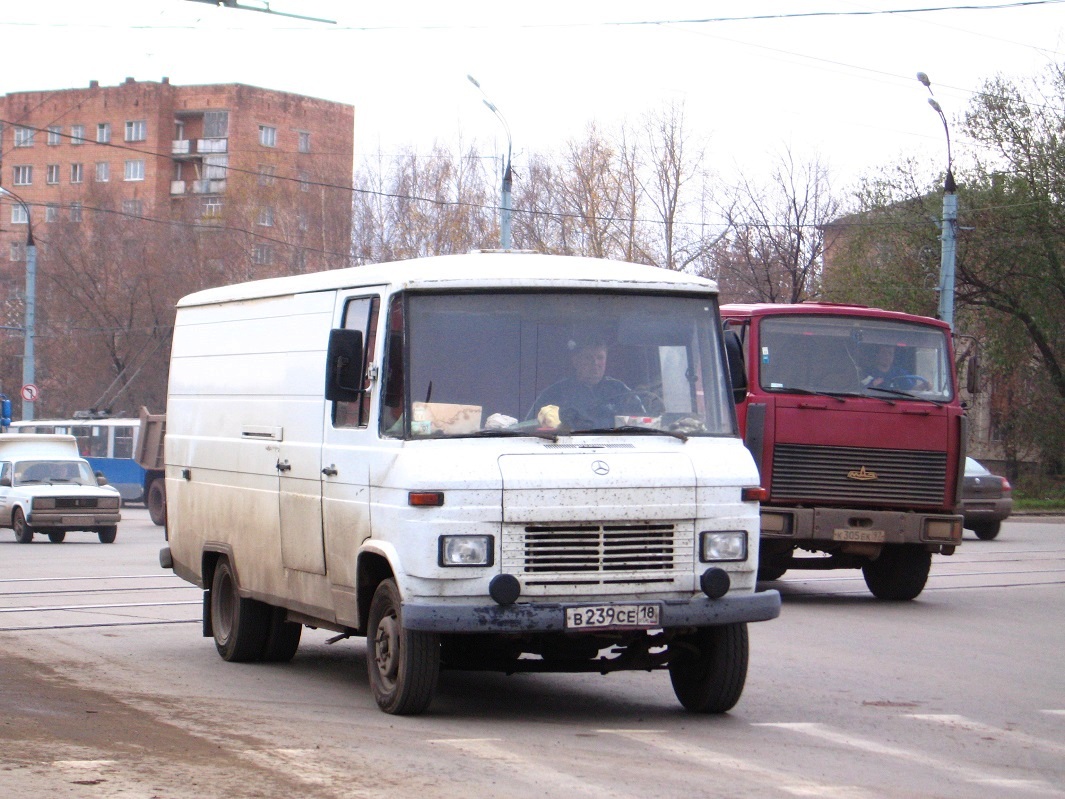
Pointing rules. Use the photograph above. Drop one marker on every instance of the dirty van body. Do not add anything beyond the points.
(371, 451)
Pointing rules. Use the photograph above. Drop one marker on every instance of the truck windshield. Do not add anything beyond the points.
(854, 355)
(552, 363)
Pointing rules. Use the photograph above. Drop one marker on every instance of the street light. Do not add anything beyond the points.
(29, 331)
(504, 212)
(948, 235)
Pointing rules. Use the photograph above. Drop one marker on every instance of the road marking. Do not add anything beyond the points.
(962, 723)
(775, 778)
(536, 773)
(41, 608)
(1054, 712)
(967, 773)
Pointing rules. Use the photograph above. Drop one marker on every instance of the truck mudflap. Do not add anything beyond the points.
(533, 617)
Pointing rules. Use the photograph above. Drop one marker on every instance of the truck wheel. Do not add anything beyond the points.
(57, 538)
(240, 626)
(708, 668)
(899, 573)
(107, 534)
(282, 639)
(403, 665)
(773, 567)
(157, 501)
(23, 532)
(986, 531)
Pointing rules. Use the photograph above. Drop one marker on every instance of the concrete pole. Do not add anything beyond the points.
(947, 253)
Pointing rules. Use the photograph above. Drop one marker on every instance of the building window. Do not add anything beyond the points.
(304, 141)
(24, 137)
(75, 212)
(51, 174)
(23, 175)
(103, 133)
(18, 251)
(51, 212)
(55, 134)
(136, 130)
(77, 173)
(132, 207)
(215, 124)
(215, 167)
(103, 171)
(305, 181)
(262, 254)
(212, 207)
(266, 175)
(266, 216)
(19, 215)
(77, 134)
(134, 170)
(267, 136)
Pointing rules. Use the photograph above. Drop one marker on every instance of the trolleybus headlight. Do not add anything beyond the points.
(730, 545)
(466, 550)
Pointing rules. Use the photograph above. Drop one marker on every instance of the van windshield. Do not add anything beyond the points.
(845, 355)
(553, 363)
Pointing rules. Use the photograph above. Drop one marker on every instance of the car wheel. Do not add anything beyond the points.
(107, 534)
(23, 532)
(57, 538)
(986, 531)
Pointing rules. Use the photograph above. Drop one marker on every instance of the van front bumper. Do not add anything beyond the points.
(533, 617)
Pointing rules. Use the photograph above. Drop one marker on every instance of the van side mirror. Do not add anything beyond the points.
(734, 356)
(972, 374)
(344, 367)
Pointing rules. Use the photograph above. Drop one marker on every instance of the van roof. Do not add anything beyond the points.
(486, 269)
(18, 446)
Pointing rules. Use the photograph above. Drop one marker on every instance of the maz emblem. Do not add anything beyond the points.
(600, 468)
(861, 474)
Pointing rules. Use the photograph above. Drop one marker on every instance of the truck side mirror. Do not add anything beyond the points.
(972, 374)
(344, 367)
(734, 356)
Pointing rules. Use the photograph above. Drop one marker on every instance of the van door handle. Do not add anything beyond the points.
(284, 466)
(330, 471)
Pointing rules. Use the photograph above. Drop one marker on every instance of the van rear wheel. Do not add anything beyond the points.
(403, 665)
(240, 625)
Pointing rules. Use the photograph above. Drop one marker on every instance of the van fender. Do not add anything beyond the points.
(376, 561)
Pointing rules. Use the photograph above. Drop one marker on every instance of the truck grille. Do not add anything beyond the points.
(840, 475)
(597, 554)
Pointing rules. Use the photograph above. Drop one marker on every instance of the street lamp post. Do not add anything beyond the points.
(948, 232)
(505, 204)
(29, 331)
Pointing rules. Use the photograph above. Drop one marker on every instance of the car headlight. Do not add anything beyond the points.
(729, 545)
(109, 503)
(466, 550)
(43, 503)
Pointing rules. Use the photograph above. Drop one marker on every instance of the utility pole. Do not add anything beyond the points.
(505, 200)
(949, 225)
(30, 322)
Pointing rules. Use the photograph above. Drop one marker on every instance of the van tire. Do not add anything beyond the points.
(156, 501)
(900, 573)
(282, 639)
(23, 532)
(107, 534)
(403, 665)
(240, 626)
(708, 668)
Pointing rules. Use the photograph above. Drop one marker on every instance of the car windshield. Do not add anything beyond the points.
(554, 363)
(851, 355)
(54, 473)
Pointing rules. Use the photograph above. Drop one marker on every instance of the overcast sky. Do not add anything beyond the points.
(824, 77)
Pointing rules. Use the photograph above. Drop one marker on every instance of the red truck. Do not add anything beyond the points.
(853, 417)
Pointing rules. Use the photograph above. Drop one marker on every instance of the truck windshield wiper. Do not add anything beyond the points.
(906, 394)
(630, 430)
(796, 390)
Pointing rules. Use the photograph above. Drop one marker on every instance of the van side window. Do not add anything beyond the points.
(359, 314)
(393, 389)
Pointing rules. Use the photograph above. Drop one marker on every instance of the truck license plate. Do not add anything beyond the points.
(864, 536)
(599, 617)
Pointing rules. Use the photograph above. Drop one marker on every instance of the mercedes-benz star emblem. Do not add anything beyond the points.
(600, 467)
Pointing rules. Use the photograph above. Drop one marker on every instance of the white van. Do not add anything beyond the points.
(428, 454)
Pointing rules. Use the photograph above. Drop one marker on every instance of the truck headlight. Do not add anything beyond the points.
(42, 503)
(466, 550)
(722, 546)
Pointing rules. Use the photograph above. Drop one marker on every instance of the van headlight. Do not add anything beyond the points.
(466, 550)
(728, 545)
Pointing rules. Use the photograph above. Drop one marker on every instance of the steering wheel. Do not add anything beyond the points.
(908, 383)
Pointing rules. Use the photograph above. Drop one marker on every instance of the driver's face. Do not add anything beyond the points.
(885, 356)
(589, 364)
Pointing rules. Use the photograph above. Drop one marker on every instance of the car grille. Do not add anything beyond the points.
(839, 475)
(75, 503)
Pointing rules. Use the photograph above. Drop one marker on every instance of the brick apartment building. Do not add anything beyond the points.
(177, 153)
(139, 193)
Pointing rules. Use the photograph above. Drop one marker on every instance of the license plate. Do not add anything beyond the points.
(69, 520)
(599, 617)
(864, 536)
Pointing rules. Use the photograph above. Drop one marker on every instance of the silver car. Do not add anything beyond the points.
(987, 499)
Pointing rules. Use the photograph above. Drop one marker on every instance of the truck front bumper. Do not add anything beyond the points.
(861, 525)
(536, 617)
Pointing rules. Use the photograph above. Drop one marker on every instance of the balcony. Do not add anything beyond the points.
(208, 186)
(212, 145)
(177, 187)
(181, 147)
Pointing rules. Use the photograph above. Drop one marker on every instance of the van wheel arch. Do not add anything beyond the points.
(373, 569)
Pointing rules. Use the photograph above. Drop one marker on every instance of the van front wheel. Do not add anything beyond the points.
(708, 668)
(403, 665)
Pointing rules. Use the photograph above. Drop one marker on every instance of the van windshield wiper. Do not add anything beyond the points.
(503, 432)
(630, 430)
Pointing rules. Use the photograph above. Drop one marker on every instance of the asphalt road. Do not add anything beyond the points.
(109, 690)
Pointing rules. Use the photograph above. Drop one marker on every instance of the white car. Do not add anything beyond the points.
(47, 487)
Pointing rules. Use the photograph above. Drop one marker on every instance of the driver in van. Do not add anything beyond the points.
(589, 399)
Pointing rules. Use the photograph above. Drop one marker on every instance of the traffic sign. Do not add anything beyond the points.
(30, 392)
